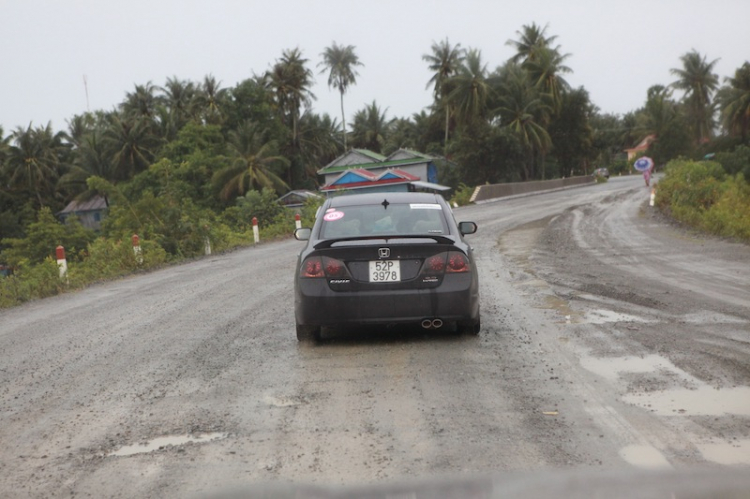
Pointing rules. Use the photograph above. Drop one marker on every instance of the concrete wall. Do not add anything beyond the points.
(494, 191)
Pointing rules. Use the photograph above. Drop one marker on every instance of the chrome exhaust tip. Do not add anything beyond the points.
(427, 324)
(437, 323)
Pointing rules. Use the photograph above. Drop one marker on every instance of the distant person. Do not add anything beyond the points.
(647, 175)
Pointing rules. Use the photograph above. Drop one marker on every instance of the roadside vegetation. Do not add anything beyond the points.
(190, 163)
(712, 196)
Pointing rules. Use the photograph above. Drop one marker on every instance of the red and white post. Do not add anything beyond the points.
(62, 263)
(256, 233)
(653, 196)
(297, 221)
(137, 249)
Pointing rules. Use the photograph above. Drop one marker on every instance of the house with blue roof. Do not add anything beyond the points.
(360, 170)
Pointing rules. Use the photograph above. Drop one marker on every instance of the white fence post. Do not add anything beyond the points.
(297, 221)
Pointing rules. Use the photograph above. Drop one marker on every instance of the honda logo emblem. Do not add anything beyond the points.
(384, 252)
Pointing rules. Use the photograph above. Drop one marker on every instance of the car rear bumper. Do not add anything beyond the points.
(456, 299)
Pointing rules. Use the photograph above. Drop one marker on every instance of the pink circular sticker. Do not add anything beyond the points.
(334, 215)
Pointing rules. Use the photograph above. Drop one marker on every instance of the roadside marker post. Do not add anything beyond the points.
(62, 263)
(297, 221)
(137, 249)
(653, 197)
(256, 234)
(206, 243)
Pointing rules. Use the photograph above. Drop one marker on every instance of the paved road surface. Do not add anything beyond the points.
(612, 340)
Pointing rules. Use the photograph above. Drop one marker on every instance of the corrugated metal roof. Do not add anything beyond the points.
(371, 166)
(368, 178)
(94, 204)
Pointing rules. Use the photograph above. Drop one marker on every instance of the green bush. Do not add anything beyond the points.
(703, 196)
(43, 236)
(730, 215)
(737, 161)
(31, 281)
(462, 196)
(107, 258)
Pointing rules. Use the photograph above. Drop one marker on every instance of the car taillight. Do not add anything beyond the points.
(312, 268)
(451, 262)
(317, 267)
(457, 262)
(435, 264)
(333, 267)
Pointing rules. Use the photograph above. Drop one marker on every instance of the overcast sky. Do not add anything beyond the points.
(618, 48)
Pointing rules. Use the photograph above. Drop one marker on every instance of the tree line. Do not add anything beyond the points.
(176, 158)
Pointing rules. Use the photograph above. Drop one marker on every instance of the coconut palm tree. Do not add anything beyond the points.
(142, 102)
(290, 80)
(470, 90)
(734, 100)
(253, 161)
(444, 62)
(531, 39)
(91, 159)
(178, 97)
(664, 118)
(318, 142)
(340, 61)
(33, 161)
(545, 69)
(370, 128)
(209, 101)
(131, 143)
(697, 80)
(521, 110)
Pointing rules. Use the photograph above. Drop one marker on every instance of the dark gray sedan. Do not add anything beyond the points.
(386, 259)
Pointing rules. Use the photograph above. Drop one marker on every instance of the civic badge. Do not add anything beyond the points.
(384, 252)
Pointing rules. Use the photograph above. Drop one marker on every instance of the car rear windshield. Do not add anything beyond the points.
(374, 220)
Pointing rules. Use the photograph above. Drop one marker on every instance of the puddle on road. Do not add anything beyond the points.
(703, 401)
(281, 401)
(162, 442)
(597, 317)
(730, 453)
(708, 317)
(602, 316)
(645, 456)
(612, 367)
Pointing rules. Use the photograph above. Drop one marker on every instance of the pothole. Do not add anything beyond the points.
(727, 453)
(602, 316)
(168, 441)
(644, 456)
(702, 401)
(612, 367)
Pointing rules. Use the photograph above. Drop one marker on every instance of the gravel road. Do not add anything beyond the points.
(611, 340)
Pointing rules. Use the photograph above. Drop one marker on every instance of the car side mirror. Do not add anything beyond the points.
(467, 228)
(302, 234)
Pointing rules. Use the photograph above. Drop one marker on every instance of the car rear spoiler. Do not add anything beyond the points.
(382, 240)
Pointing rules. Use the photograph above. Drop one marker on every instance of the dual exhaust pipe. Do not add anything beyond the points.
(432, 323)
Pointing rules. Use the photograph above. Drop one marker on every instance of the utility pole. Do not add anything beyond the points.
(86, 89)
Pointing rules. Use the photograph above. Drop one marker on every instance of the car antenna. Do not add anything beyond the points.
(385, 204)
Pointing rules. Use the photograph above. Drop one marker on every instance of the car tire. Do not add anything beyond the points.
(472, 327)
(308, 333)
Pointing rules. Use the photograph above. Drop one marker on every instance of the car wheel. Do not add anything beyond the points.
(308, 333)
(470, 327)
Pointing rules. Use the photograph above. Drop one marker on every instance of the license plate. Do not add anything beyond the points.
(385, 271)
